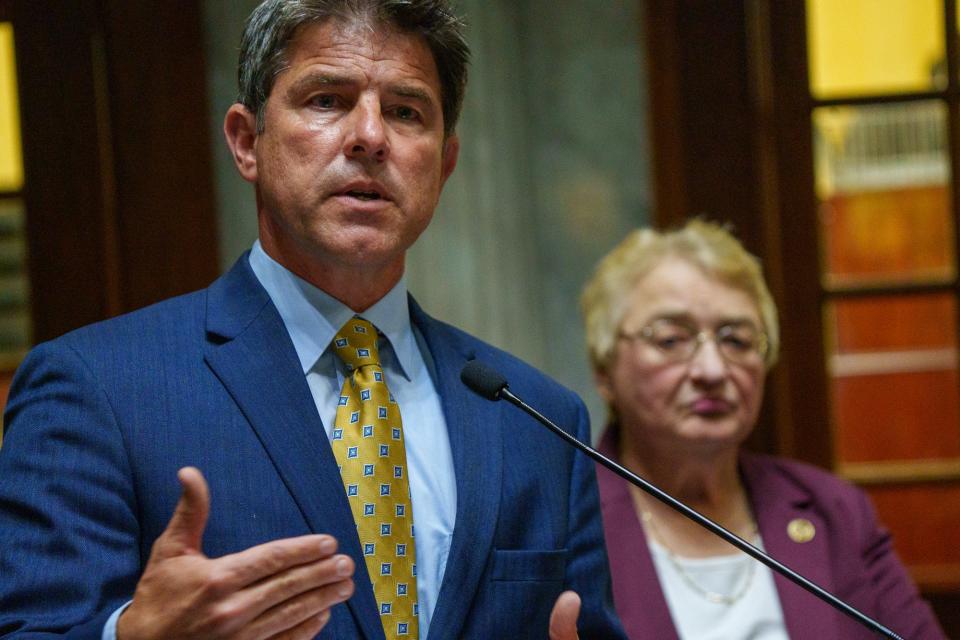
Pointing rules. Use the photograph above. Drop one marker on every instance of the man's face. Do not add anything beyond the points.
(352, 157)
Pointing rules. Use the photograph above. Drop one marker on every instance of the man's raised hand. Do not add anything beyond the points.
(282, 589)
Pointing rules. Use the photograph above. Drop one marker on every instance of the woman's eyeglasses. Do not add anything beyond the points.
(678, 341)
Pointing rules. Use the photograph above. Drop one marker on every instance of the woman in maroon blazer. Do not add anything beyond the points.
(682, 330)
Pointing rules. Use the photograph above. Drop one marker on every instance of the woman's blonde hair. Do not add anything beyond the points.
(707, 245)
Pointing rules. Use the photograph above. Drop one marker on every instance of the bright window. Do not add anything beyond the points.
(11, 163)
(862, 47)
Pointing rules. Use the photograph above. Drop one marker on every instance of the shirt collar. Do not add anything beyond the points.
(313, 317)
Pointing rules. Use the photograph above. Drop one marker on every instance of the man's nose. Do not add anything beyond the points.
(366, 137)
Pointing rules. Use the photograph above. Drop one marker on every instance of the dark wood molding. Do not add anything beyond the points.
(65, 190)
(663, 40)
(793, 225)
(701, 113)
(118, 178)
(163, 170)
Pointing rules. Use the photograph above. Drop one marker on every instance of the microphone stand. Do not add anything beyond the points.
(704, 521)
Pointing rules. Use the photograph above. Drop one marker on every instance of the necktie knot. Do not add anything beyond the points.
(356, 343)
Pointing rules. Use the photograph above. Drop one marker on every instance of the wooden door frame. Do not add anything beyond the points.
(118, 176)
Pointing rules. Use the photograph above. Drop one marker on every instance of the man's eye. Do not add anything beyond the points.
(406, 113)
(324, 102)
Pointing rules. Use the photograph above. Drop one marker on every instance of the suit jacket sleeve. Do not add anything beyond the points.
(69, 541)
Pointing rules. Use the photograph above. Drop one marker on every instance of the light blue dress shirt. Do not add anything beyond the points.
(312, 318)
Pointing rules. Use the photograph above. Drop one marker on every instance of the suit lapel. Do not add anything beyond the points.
(253, 357)
(777, 502)
(474, 426)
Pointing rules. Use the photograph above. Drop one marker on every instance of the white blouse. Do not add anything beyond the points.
(754, 614)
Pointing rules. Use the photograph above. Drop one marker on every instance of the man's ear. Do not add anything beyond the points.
(240, 130)
(451, 151)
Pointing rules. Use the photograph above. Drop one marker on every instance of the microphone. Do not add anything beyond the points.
(483, 380)
(488, 383)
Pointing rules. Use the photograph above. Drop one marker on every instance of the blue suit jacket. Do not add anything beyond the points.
(99, 421)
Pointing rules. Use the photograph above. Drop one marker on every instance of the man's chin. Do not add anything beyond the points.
(357, 244)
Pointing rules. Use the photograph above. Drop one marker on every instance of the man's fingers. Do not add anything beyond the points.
(272, 558)
(327, 582)
(307, 629)
(284, 619)
(563, 619)
(184, 532)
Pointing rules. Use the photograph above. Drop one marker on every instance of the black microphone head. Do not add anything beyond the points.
(483, 380)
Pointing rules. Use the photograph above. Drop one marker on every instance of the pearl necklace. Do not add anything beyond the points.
(710, 596)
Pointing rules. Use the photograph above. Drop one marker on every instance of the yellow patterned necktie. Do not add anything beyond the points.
(368, 445)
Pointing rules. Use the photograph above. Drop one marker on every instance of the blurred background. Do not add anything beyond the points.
(825, 131)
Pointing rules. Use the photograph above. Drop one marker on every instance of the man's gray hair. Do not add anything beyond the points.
(270, 27)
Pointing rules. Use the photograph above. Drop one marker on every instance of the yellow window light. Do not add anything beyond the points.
(11, 158)
(862, 47)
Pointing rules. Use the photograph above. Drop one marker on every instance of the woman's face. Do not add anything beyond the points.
(707, 401)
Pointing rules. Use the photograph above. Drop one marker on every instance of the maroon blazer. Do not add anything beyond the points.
(851, 555)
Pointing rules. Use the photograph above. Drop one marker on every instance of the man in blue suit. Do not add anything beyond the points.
(345, 126)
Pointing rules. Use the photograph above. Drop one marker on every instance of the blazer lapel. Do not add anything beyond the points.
(646, 614)
(777, 502)
(252, 355)
(474, 426)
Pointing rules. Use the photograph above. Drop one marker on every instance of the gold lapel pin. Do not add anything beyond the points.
(801, 530)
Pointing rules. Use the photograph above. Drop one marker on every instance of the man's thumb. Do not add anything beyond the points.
(563, 618)
(184, 532)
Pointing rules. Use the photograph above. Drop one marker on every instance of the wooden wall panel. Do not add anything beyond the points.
(905, 416)
(888, 235)
(908, 322)
(67, 165)
(924, 520)
(119, 191)
(166, 231)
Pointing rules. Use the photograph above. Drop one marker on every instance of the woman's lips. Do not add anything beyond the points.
(710, 406)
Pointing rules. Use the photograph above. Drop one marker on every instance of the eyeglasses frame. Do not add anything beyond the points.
(700, 336)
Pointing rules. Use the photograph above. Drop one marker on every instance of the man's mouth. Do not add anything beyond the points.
(363, 195)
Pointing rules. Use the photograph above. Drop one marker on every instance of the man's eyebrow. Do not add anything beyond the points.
(411, 91)
(319, 79)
